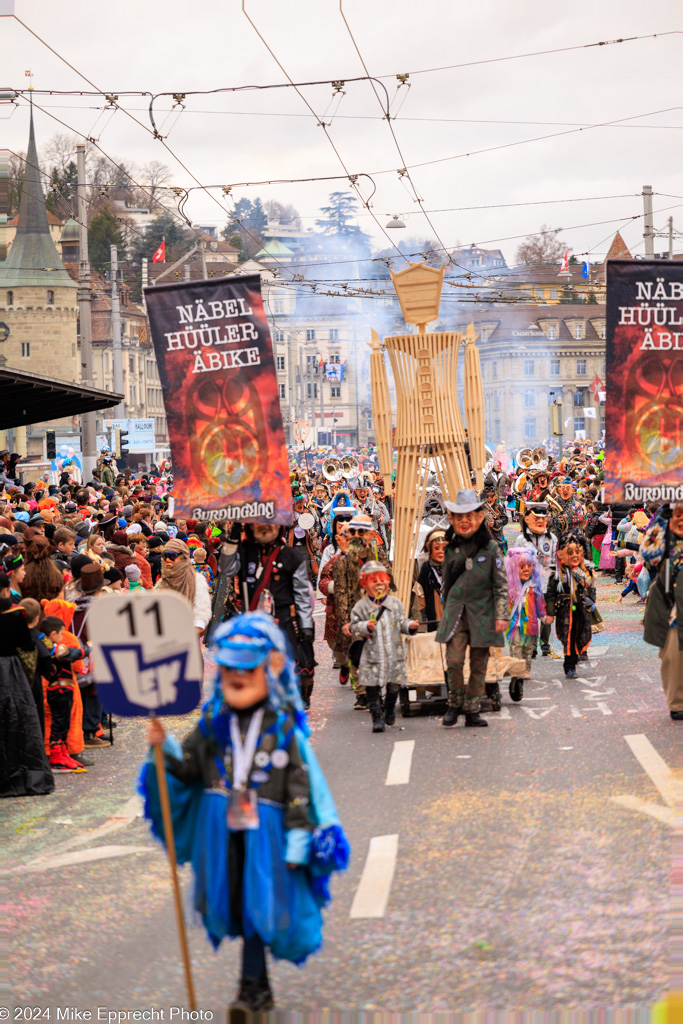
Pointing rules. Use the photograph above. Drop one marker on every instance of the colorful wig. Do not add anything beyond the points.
(515, 557)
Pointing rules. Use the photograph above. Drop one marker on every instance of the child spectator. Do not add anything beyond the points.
(133, 575)
(58, 659)
(202, 568)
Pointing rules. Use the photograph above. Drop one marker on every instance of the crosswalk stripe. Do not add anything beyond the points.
(399, 765)
(372, 894)
(655, 766)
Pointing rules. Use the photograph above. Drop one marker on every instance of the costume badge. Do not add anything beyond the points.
(498, 563)
(243, 810)
(279, 759)
(261, 759)
(469, 562)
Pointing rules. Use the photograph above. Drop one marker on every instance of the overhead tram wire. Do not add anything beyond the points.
(403, 172)
(324, 126)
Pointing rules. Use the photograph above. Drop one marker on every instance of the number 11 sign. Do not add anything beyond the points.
(145, 653)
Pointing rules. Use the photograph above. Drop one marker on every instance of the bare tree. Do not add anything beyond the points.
(155, 176)
(542, 247)
(282, 213)
(15, 177)
(60, 151)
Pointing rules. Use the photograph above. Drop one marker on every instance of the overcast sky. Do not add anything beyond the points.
(166, 45)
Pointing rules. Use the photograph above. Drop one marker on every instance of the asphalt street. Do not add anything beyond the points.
(526, 866)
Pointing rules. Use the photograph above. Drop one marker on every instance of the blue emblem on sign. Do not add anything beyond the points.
(139, 687)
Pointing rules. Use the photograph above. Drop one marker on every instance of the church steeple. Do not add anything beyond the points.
(33, 260)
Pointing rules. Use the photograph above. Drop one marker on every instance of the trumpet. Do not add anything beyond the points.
(553, 504)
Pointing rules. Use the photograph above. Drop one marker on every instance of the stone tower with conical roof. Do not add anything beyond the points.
(38, 298)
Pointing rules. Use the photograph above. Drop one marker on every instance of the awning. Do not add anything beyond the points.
(28, 398)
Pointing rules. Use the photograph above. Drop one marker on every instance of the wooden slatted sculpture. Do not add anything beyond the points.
(474, 406)
(429, 429)
(381, 410)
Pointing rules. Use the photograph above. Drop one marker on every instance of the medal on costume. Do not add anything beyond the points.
(243, 807)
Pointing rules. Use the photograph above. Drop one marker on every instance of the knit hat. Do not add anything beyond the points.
(133, 572)
(127, 510)
(77, 564)
(92, 578)
(160, 527)
(119, 537)
(112, 575)
(134, 528)
(155, 542)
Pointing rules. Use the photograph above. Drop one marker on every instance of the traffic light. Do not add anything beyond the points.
(51, 445)
(121, 443)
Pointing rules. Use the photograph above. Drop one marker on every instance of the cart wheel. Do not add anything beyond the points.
(516, 689)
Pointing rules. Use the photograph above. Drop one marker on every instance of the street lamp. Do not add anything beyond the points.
(395, 222)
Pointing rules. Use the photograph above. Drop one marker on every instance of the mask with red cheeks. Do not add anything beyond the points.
(376, 584)
(571, 556)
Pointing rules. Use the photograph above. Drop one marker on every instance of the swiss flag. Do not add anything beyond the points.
(160, 255)
(596, 387)
(565, 261)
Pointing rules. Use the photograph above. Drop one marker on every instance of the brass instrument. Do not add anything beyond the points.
(333, 470)
(539, 459)
(519, 483)
(524, 458)
(349, 467)
(553, 504)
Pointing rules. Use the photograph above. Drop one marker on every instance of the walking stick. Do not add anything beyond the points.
(170, 847)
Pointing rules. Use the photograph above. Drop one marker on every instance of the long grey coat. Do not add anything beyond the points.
(383, 659)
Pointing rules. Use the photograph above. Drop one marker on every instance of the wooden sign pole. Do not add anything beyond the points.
(170, 848)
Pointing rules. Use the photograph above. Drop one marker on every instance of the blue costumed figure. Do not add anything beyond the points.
(251, 809)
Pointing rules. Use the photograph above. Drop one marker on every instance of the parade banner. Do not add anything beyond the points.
(217, 372)
(644, 385)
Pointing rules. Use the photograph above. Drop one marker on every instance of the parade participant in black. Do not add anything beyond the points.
(430, 578)
(535, 531)
(475, 596)
(571, 599)
(496, 516)
(274, 577)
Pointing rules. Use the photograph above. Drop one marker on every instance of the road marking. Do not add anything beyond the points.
(565, 748)
(463, 757)
(372, 894)
(656, 767)
(538, 712)
(399, 765)
(667, 815)
(79, 857)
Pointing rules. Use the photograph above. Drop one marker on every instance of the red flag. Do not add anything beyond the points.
(565, 261)
(160, 255)
(596, 387)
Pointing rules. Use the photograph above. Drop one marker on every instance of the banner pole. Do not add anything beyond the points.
(170, 847)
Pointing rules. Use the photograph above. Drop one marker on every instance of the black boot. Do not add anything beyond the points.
(361, 702)
(473, 718)
(254, 996)
(516, 689)
(404, 699)
(451, 717)
(390, 707)
(375, 705)
(493, 693)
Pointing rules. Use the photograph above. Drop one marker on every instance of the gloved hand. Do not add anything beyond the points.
(308, 635)
(330, 587)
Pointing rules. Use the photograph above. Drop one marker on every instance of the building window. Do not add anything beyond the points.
(496, 401)
(312, 390)
(578, 398)
(528, 367)
(578, 332)
(334, 334)
(539, 293)
(603, 330)
(310, 334)
(10, 298)
(335, 391)
(529, 399)
(552, 332)
(580, 367)
(25, 349)
(579, 423)
(50, 297)
(280, 362)
(494, 369)
(278, 306)
(530, 428)
(279, 335)
(553, 293)
(283, 390)
(554, 367)
(496, 428)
